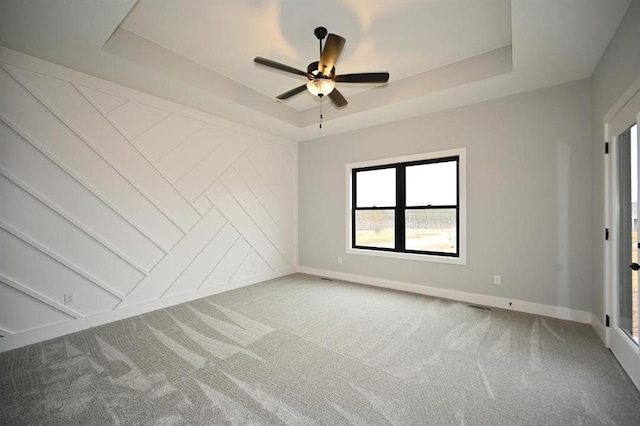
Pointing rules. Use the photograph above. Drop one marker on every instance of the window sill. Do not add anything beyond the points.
(409, 256)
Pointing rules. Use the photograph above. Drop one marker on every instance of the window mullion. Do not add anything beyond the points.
(400, 207)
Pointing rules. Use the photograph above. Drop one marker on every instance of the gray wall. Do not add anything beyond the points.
(618, 68)
(529, 196)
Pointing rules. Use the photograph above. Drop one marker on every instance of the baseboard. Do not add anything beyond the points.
(14, 341)
(478, 299)
(599, 328)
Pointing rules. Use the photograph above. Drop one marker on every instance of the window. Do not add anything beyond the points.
(409, 207)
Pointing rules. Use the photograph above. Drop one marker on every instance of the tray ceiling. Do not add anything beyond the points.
(440, 53)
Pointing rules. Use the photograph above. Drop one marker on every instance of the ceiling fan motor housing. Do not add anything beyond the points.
(313, 69)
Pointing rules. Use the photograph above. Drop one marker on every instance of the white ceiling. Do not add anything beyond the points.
(440, 53)
(283, 31)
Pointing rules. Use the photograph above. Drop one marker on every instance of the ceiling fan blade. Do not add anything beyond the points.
(290, 93)
(363, 77)
(281, 67)
(337, 98)
(332, 49)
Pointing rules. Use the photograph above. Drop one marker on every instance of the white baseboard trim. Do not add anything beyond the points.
(599, 328)
(14, 341)
(478, 299)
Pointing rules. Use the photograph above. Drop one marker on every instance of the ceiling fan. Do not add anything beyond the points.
(322, 74)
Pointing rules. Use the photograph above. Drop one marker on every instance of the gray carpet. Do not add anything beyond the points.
(300, 350)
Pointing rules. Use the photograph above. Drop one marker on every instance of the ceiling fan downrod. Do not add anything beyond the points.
(321, 33)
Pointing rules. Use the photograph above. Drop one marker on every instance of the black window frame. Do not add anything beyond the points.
(400, 208)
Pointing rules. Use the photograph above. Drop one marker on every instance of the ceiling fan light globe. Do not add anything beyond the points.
(321, 86)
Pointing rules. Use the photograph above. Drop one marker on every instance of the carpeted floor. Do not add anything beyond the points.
(301, 350)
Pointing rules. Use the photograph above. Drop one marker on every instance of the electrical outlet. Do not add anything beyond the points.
(497, 280)
(69, 299)
(339, 259)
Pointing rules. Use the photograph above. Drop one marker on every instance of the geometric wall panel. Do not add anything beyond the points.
(133, 119)
(242, 221)
(234, 183)
(32, 268)
(192, 151)
(73, 109)
(279, 212)
(123, 199)
(21, 313)
(104, 102)
(209, 170)
(157, 141)
(248, 266)
(160, 279)
(229, 264)
(35, 173)
(206, 262)
(61, 239)
(63, 146)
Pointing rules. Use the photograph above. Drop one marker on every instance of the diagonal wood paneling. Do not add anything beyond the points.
(262, 269)
(44, 250)
(202, 204)
(40, 297)
(30, 267)
(29, 168)
(73, 109)
(248, 267)
(133, 119)
(224, 201)
(59, 236)
(162, 138)
(123, 199)
(173, 265)
(287, 158)
(194, 183)
(103, 102)
(254, 209)
(65, 148)
(269, 166)
(229, 264)
(21, 313)
(282, 214)
(206, 261)
(192, 151)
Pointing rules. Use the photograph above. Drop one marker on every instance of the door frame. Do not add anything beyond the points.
(626, 110)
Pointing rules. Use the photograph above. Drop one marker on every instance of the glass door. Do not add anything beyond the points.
(627, 292)
(624, 339)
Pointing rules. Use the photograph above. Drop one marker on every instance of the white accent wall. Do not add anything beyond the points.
(128, 202)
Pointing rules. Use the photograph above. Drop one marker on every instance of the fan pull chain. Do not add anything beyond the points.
(321, 117)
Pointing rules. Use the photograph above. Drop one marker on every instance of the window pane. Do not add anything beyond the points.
(432, 184)
(376, 188)
(431, 230)
(628, 239)
(375, 228)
